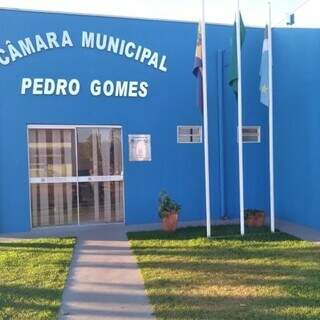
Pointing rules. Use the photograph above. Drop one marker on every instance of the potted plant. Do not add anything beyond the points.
(168, 212)
(254, 217)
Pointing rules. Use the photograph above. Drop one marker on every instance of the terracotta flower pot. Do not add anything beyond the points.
(259, 219)
(255, 218)
(170, 221)
(250, 220)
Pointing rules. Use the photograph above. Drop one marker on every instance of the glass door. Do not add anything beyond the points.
(76, 175)
(52, 170)
(100, 174)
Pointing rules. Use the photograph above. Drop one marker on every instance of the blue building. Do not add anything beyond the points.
(99, 114)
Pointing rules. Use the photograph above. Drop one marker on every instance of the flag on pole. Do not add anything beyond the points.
(200, 71)
(235, 82)
(197, 68)
(233, 65)
(264, 70)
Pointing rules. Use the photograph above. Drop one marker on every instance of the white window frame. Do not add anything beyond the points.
(258, 128)
(189, 127)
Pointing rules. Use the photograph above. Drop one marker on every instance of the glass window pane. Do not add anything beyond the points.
(250, 139)
(101, 201)
(189, 134)
(184, 139)
(251, 134)
(54, 204)
(85, 157)
(99, 151)
(250, 131)
(116, 162)
(51, 153)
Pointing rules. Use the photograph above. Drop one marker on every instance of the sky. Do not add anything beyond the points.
(255, 12)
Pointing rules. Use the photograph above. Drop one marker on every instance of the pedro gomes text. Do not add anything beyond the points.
(14, 51)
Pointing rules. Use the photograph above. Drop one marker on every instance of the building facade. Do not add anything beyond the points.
(99, 115)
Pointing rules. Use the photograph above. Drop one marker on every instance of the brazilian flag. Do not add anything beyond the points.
(233, 65)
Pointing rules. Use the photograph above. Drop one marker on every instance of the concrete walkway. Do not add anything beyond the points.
(104, 280)
(299, 231)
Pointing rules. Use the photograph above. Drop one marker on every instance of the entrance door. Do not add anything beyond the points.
(100, 174)
(76, 175)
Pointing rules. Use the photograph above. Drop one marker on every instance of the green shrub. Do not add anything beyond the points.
(167, 205)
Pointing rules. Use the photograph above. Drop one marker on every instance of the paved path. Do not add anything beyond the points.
(104, 280)
(299, 231)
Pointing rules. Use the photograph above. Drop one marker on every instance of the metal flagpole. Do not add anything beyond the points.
(240, 144)
(205, 120)
(271, 164)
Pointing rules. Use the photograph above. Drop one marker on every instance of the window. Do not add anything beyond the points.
(189, 134)
(251, 134)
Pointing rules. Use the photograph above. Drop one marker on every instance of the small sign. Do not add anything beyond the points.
(139, 147)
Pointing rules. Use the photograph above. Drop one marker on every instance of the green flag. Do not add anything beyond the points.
(233, 65)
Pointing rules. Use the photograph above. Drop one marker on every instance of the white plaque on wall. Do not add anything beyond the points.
(139, 147)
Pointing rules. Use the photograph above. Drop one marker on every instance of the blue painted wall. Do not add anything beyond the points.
(297, 126)
(256, 183)
(171, 101)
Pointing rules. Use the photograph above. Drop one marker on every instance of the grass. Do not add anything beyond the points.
(32, 277)
(261, 276)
